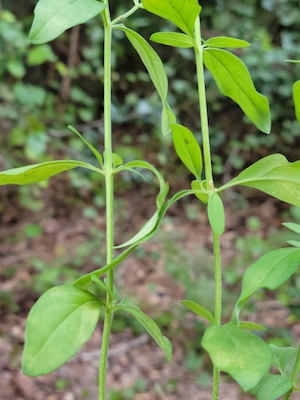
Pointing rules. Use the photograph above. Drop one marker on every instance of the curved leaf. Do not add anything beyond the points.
(296, 97)
(58, 324)
(174, 39)
(53, 17)
(39, 172)
(273, 175)
(156, 72)
(199, 310)
(226, 42)
(127, 305)
(182, 13)
(243, 355)
(234, 81)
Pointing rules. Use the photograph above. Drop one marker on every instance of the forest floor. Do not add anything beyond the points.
(67, 244)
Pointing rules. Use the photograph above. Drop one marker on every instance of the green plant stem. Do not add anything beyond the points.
(210, 187)
(294, 375)
(109, 193)
(127, 14)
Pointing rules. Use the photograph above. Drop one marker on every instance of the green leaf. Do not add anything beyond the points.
(252, 326)
(296, 97)
(234, 80)
(187, 149)
(156, 72)
(53, 17)
(199, 310)
(273, 175)
(272, 387)
(216, 214)
(199, 192)
(294, 243)
(173, 39)
(225, 42)
(37, 55)
(243, 355)
(269, 271)
(39, 172)
(58, 324)
(151, 327)
(282, 357)
(292, 226)
(182, 13)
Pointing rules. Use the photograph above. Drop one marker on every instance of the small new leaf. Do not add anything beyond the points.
(199, 310)
(216, 214)
(296, 97)
(53, 17)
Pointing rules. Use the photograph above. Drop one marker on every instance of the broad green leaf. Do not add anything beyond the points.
(58, 324)
(187, 149)
(296, 97)
(269, 271)
(151, 327)
(182, 13)
(282, 357)
(292, 226)
(273, 175)
(252, 326)
(53, 17)
(225, 42)
(88, 144)
(243, 355)
(216, 214)
(39, 172)
(174, 39)
(272, 387)
(156, 72)
(234, 80)
(199, 310)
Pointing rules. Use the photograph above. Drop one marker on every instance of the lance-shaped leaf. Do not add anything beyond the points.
(127, 305)
(199, 310)
(58, 324)
(269, 271)
(225, 42)
(234, 80)
(187, 149)
(243, 355)
(272, 387)
(273, 175)
(182, 13)
(39, 172)
(296, 97)
(292, 226)
(53, 17)
(156, 72)
(216, 214)
(174, 39)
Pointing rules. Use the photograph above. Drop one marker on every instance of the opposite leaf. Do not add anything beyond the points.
(272, 387)
(216, 214)
(282, 357)
(58, 324)
(173, 39)
(243, 355)
(199, 310)
(226, 42)
(187, 149)
(156, 71)
(296, 97)
(182, 13)
(39, 172)
(273, 175)
(53, 17)
(234, 81)
(127, 305)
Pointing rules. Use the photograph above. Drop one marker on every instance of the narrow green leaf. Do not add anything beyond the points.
(225, 42)
(156, 72)
(234, 80)
(282, 357)
(216, 214)
(127, 305)
(199, 310)
(243, 355)
(272, 387)
(273, 175)
(187, 149)
(182, 13)
(269, 271)
(53, 17)
(252, 326)
(173, 39)
(296, 97)
(58, 324)
(294, 243)
(39, 172)
(292, 226)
